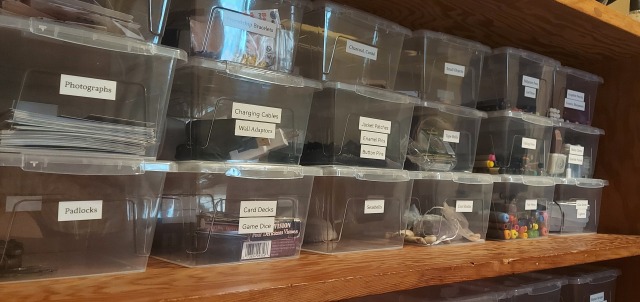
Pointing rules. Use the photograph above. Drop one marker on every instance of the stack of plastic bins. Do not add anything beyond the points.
(519, 207)
(588, 283)
(530, 287)
(576, 207)
(443, 138)
(456, 292)
(513, 142)
(518, 80)
(573, 150)
(258, 33)
(355, 209)
(574, 95)
(65, 215)
(111, 97)
(448, 207)
(439, 67)
(342, 44)
(217, 213)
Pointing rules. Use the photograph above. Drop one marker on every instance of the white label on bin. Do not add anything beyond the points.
(445, 95)
(249, 23)
(575, 104)
(575, 95)
(256, 113)
(454, 69)
(451, 136)
(529, 143)
(373, 138)
(256, 250)
(374, 125)
(530, 204)
(373, 152)
(464, 206)
(530, 82)
(79, 210)
(255, 129)
(374, 206)
(581, 213)
(254, 225)
(530, 92)
(88, 87)
(575, 159)
(23, 203)
(576, 149)
(599, 297)
(258, 208)
(582, 204)
(363, 50)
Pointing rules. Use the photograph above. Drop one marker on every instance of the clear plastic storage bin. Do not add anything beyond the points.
(513, 142)
(530, 287)
(358, 126)
(69, 88)
(342, 44)
(574, 149)
(574, 95)
(67, 216)
(443, 138)
(520, 207)
(448, 207)
(355, 209)
(217, 213)
(258, 33)
(576, 207)
(456, 292)
(439, 67)
(588, 283)
(224, 111)
(517, 79)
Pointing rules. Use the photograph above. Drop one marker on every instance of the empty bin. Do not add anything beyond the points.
(530, 287)
(455, 292)
(574, 95)
(576, 206)
(588, 283)
(574, 149)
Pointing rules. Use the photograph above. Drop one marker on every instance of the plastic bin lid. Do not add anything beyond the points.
(527, 117)
(587, 274)
(459, 177)
(73, 163)
(370, 174)
(578, 127)
(242, 170)
(530, 284)
(354, 13)
(452, 39)
(582, 182)
(527, 55)
(537, 181)
(451, 109)
(252, 73)
(581, 74)
(373, 92)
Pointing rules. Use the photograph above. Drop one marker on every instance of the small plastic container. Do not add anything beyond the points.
(529, 287)
(355, 209)
(448, 207)
(443, 138)
(588, 283)
(342, 44)
(574, 149)
(439, 67)
(513, 142)
(517, 79)
(574, 95)
(67, 216)
(519, 207)
(224, 111)
(358, 126)
(218, 213)
(456, 292)
(110, 97)
(576, 207)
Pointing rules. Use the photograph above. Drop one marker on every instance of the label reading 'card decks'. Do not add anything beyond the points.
(373, 152)
(530, 92)
(88, 87)
(79, 210)
(530, 82)
(575, 159)
(599, 297)
(529, 143)
(255, 129)
(451, 136)
(464, 206)
(374, 206)
(575, 104)
(252, 225)
(362, 50)
(531, 204)
(454, 69)
(374, 125)
(258, 208)
(249, 23)
(256, 113)
(373, 138)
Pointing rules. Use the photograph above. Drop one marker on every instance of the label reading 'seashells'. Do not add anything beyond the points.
(576, 149)
(531, 204)
(373, 152)
(88, 87)
(464, 206)
(530, 92)
(529, 143)
(582, 204)
(254, 225)
(374, 125)
(575, 159)
(256, 113)
(451, 136)
(530, 82)
(258, 208)
(373, 138)
(255, 129)
(362, 50)
(248, 23)
(79, 210)
(575, 95)
(574, 104)
(374, 206)
(599, 297)
(454, 69)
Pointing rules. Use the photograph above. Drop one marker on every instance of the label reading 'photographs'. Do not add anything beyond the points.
(576, 149)
(373, 138)
(574, 104)
(374, 206)
(249, 23)
(530, 92)
(258, 208)
(362, 50)
(256, 113)
(529, 143)
(575, 159)
(256, 250)
(374, 125)
(599, 297)
(88, 87)
(255, 129)
(373, 152)
(451, 136)
(530, 82)
(454, 69)
(252, 225)
(464, 206)
(79, 210)
(575, 95)
(531, 204)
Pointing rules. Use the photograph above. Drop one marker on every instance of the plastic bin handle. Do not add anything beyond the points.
(381, 177)
(264, 174)
(157, 15)
(78, 166)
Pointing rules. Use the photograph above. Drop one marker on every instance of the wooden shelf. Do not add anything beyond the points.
(323, 278)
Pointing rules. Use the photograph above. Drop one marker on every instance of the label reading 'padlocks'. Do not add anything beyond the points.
(374, 206)
(362, 50)
(529, 143)
(256, 113)
(530, 82)
(258, 208)
(79, 210)
(530, 92)
(248, 23)
(373, 152)
(373, 138)
(255, 129)
(464, 206)
(451, 136)
(252, 225)
(88, 87)
(374, 125)
(454, 69)
(530, 204)
(599, 297)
